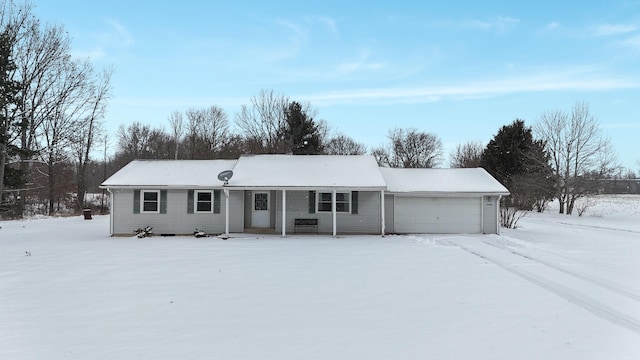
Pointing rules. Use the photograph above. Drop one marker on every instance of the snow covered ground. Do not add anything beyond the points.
(558, 287)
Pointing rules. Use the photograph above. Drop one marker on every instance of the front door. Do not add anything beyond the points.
(260, 214)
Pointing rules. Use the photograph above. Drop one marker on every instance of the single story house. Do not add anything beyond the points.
(300, 193)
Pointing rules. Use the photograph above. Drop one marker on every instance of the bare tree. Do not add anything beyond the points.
(466, 155)
(207, 132)
(264, 121)
(133, 141)
(177, 129)
(98, 94)
(69, 97)
(410, 149)
(344, 145)
(576, 146)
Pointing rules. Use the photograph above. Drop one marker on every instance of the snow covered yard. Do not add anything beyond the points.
(556, 288)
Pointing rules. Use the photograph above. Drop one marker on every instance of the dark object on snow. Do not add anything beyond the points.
(28, 253)
(143, 232)
(199, 233)
(87, 214)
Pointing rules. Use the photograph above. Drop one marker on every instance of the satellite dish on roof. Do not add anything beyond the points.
(225, 176)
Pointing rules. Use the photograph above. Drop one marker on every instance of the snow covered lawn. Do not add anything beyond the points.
(556, 288)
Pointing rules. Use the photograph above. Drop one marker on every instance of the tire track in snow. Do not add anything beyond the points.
(587, 226)
(575, 297)
(592, 279)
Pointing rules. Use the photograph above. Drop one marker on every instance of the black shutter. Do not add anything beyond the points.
(312, 202)
(163, 201)
(189, 201)
(216, 201)
(136, 201)
(354, 202)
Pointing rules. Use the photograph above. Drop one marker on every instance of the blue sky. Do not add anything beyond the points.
(458, 69)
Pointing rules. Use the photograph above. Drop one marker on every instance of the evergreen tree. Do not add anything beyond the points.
(520, 163)
(8, 100)
(301, 133)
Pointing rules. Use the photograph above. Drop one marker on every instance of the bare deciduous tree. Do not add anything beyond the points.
(177, 129)
(68, 95)
(410, 149)
(264, 121)
(98, 94)
(207, 133)
(576, 146)
(344, 145)
(467, 155)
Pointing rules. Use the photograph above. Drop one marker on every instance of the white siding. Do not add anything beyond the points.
(367, 221)
(176, 220)
(433, 215)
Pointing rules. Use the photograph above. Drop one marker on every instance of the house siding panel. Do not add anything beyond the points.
(367, 221)
(177, 220)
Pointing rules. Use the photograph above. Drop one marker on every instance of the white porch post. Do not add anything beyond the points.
(333, 210)
(226, 212)
(382, 220)
(284, 213)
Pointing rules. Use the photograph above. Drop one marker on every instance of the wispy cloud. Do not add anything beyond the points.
(119, 34)
(500, 24)
(329, 23)
(632, 42)
(115, 37)
(496, 24)
(615, 29)
(362, 63)
(558, 81)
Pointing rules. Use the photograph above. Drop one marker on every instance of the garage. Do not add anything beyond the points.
(438, 215)
(442, 201)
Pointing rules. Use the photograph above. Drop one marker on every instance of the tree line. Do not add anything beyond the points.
(52, 107)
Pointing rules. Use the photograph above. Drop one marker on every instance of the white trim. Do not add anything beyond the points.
(195, 201)
(142, 211)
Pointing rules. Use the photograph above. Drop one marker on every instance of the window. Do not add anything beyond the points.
(150, 201)
(261, 202)
(342, 202)
(204, 201)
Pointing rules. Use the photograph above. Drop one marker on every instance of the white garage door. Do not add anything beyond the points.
(438, 215)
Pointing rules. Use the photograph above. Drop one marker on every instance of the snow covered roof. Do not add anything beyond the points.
(307, 171)
(445, 181)
(169, 173)
(302, 172)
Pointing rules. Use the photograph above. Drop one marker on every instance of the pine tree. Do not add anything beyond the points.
(8, 100)
(301, 134)
(520, 163)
